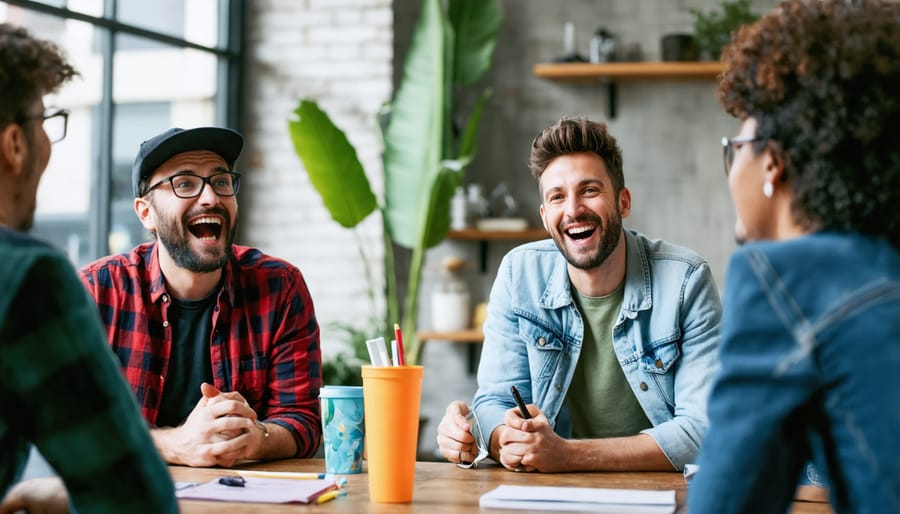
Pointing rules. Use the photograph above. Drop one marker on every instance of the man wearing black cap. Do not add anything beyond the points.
(219, 342)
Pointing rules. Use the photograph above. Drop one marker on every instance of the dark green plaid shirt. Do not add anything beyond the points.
(61, 389)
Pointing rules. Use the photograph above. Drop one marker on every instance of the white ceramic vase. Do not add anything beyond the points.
(450, 310)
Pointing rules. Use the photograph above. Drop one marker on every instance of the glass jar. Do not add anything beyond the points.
(450, 303)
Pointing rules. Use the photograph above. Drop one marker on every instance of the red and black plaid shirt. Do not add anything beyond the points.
(264, 341)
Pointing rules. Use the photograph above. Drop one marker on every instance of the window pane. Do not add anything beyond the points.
(91, 7)
(193, 20)
(63, 211)
(133, 123)
(154, 89)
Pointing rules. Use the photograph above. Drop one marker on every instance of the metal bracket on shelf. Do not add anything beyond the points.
(612, 97)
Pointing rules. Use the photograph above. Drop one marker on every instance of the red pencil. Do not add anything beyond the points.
(401, 360)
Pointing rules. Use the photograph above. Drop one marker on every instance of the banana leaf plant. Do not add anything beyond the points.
(424, 156)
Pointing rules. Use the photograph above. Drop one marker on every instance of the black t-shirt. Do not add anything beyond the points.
(189, 363)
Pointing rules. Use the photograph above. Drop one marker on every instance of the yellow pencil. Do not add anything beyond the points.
(284, 474)
(327, 497)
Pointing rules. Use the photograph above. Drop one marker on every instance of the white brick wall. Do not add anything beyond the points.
(338, 52)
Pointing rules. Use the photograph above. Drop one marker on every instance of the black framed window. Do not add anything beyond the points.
(145, 67)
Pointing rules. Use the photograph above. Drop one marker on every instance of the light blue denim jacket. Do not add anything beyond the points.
(666, 339)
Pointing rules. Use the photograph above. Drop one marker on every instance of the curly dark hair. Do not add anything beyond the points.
(822, 81)
(29, 69)
(574, 135)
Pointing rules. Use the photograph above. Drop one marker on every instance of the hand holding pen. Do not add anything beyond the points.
(525, 415)
(523, 410)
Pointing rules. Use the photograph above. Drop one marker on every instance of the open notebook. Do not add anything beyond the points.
(585, 499)
(260, 490)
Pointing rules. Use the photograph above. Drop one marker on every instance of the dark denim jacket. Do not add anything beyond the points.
(810, 355)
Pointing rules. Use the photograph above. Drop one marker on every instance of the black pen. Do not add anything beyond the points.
(233, 481)
(520, 402)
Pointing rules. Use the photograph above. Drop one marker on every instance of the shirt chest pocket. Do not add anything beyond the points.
(661, 358)
(543, 347)
(659, 365)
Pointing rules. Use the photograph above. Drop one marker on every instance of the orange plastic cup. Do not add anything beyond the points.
(392, 396)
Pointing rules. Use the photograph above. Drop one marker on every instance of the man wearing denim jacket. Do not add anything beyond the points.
(610, 336)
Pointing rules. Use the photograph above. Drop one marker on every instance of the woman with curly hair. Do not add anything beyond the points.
(811, 327)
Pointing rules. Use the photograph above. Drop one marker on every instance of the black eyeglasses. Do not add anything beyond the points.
(730, 146)
(55, 122)
(188, 185)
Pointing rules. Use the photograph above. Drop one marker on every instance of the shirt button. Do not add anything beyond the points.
(542, 341)
(659, 363)
(165, 323)
(644, 386)
(165, 298)
(558, 387)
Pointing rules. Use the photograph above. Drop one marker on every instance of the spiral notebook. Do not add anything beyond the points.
(583, 499)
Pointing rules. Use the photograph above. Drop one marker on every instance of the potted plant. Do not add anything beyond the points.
(713, 30)
(424, 156)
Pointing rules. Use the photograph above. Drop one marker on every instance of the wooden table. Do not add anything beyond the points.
(440, 488)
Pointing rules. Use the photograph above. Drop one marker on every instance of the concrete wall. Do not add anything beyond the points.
(345, 53)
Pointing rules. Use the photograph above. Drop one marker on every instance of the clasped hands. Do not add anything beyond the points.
(519, 444)
(221, 430)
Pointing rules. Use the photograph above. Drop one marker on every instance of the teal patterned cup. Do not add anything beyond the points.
(343, 428)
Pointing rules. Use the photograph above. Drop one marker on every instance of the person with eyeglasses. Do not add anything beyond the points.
(811, 324)
(219, 341)
(61, 389)
(610, 336)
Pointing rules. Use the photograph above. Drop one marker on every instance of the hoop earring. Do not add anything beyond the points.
(768, 189)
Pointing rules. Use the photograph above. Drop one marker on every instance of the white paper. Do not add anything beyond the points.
(588, 499)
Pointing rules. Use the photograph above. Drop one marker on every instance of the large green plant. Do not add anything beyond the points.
(424, 153)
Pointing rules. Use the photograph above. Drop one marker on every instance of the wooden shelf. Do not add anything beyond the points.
(471, 336)
(624, 71)
(612, 73)
(471, 234)
(486, 236)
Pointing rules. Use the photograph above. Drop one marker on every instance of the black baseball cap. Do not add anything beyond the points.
(159, 149)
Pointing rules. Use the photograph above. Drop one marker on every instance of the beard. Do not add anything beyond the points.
(175, 237)
(609, 239)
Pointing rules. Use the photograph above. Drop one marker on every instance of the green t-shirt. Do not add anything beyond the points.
(600, 401)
